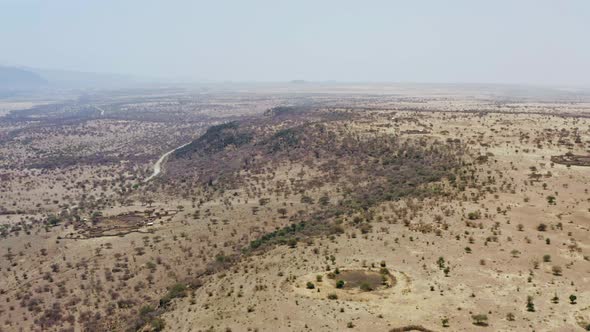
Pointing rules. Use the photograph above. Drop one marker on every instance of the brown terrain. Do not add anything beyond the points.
(297, 208)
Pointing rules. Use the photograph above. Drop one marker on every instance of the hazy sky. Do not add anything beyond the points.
(500, 41)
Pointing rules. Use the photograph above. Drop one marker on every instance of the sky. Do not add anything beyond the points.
(545, 42)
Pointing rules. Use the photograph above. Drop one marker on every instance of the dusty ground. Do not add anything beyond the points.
(522, 229)
(502, 266)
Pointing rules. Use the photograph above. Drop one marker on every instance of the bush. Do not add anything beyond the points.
(310, 285)
(150, 265)
(53, 220)
(441, 263)
(157, 324)
(145, 310)
(365, 287)
(573, 299)
(365, 228)
(340, 284)
(530, 306)
(178, 290)
(332, 296)
(474, 215)
(480, 320)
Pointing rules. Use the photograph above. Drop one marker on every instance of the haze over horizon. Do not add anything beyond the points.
(524, 42)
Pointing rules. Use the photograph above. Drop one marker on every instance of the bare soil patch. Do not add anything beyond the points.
(354, 279)
(572, 160)
(118, 225)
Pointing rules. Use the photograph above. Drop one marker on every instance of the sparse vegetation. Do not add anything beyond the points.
(388, 201)
(480, 319)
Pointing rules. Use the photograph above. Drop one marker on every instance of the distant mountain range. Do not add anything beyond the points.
(12, 78)
(27, 79)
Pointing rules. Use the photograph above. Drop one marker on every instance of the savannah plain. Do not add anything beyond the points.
(297, 207)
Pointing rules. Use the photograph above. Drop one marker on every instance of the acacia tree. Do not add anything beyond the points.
(480, 319)
(283, 212)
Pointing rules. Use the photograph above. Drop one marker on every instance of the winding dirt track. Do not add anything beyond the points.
(158, 164)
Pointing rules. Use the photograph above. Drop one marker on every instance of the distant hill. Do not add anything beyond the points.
(13, 78)
(75, 79)
(26, 79)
